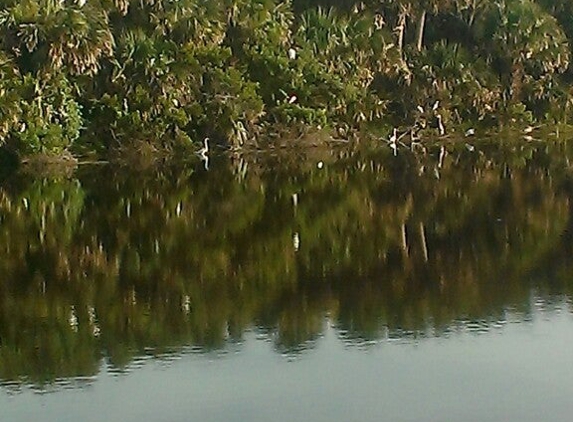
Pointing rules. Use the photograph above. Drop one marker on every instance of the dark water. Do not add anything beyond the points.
(314, 285)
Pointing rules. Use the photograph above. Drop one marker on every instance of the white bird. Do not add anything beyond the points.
(441, 127)
(205, 150)
(379, 21)
(296, 241)
(291, 53)
(292, 99)
(393, 140)
(420, 109)
(394, 148)
(394, 136)
(203, 153)
(443, 153)
(436, 105)
(295, 199)
(470, 132)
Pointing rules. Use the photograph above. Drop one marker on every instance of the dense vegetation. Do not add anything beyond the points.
(95, 75)
(117, 264)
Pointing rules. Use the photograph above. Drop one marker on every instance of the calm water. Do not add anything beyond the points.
(322, 285)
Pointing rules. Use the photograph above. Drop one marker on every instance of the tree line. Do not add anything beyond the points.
(101, 75)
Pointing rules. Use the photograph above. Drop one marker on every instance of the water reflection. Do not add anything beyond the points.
(123, 266)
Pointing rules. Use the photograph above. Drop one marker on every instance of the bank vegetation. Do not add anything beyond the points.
(108, 75)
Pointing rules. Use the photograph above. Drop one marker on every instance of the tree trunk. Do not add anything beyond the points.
(404, 238)
(516, 81)
(401, 28)
(424, 242)
(421, 27)
(473, 13)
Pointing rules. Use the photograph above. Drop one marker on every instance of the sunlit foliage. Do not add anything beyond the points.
(111, 74)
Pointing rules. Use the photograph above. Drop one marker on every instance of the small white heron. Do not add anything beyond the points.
(393, 141)
(394, 136)
(379, 21)
(443, 153)
(203, 153)
(205, 150)
(296, 241)
(441, 127)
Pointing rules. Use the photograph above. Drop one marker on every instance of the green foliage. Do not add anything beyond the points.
(529, 48)
(54, 35)
(10, 109)
(49, 118)
(171, 72)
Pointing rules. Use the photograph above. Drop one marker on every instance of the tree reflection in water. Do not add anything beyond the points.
(118, 263)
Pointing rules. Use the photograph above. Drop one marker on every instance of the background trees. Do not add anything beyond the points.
(107, 74)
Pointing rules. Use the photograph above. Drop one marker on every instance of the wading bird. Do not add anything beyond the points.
(443, 153)
(441, 127)
(393, 140)
(203, 153)
(205, 150)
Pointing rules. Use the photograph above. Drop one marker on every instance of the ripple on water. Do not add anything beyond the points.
(21, 385)
(117, 370)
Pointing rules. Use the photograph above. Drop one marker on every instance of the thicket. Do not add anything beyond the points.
(105, 74)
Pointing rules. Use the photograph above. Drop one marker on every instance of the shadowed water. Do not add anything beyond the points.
(339, 284)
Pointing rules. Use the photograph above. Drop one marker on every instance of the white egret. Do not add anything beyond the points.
(203, 153)
(379, 21)
(296, 241)
(441, 127)
(394, 136)
(295, 199)
(443, 154)
(394, 148)
(205, 150)
(291, 53)
(393, 140)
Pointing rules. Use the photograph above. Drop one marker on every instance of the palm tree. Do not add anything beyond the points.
(526, 41)
(51, 35)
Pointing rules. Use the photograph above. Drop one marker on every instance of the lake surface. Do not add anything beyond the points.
(335, 284)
